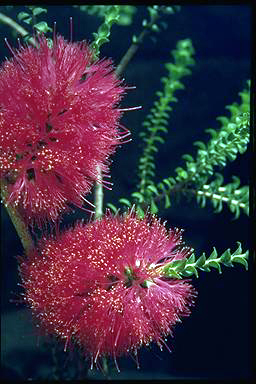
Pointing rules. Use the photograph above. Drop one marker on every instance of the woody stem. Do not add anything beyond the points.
(20, 226)
(135, 46)
(99, 195)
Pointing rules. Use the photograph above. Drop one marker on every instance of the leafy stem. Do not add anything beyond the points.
(189, 266)
(148, 26)
(235, 198)
(225, 144)
(20, 226)
(157, 121)
(101, 37)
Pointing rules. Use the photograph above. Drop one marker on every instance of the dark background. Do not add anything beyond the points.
(215, 341)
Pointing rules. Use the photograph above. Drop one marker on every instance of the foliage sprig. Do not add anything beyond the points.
(189, 266)
(156, 121)
(126, 12)
(226, 143)
(235, 198)
(30, 17)
(111, 15)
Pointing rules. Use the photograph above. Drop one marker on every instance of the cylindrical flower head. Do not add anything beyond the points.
(58, 121)
(102, 284)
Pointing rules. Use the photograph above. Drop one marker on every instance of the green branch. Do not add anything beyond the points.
(126, 12)
(226, 143)
(235, 198)
(188, 267)
(15, 26)
(157, 122)
(101, 37)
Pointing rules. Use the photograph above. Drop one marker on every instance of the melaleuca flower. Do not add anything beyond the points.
(103, 286)
(59, 120)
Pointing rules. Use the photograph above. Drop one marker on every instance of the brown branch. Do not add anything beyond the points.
(135, 46)
(130, 53)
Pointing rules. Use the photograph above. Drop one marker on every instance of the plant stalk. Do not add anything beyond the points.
(99, 195)
(11, 23)
(135, 46)
(20, 226)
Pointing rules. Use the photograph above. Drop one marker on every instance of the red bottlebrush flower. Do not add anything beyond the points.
(58, 121)
(102, 284)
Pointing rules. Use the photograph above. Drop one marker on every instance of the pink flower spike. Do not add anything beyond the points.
(100, 285)
(59, 120)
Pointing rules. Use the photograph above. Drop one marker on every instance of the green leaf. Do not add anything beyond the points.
(167, 203)
(138, 196)
(112, 207)
(153, 189)
(179, 264)
(43, 27)
(214, 264)
(187, 157)
(153, 148)
(37, 11)
(161, 186)
(191, 270)
(23, 15)
(113, 12)
(103, 30)
(160, 139)
(100, 41)
(239, 249)
(162, 128)
(246, 210)
(167, 182)
(213, 255)
(155, 28)
(140, 212)
(206, 269)
(240, 260)
(181, 172)
(152, 11)
(226, 257)
(212, 132)
(153, 207)
(201, 261)
(28, 20)
(144, 23)
(134, 39)
(125, 202)
(172, 273)
(150, 172)
(191, 259)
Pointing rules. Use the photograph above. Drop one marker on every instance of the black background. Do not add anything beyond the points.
(215, 341)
